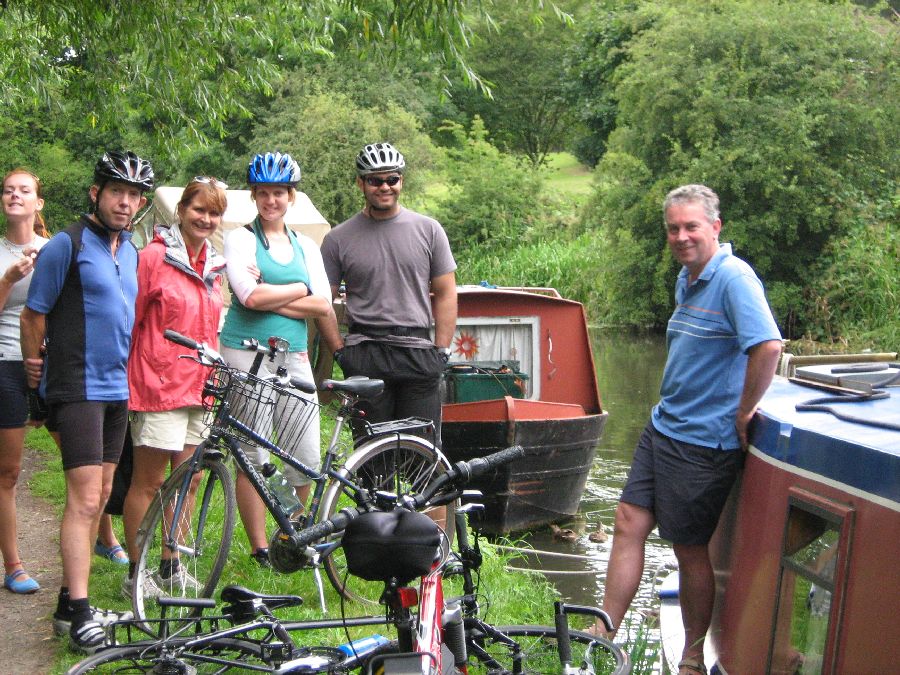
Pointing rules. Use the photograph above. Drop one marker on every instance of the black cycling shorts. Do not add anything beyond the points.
(91, 433)
(13, 392)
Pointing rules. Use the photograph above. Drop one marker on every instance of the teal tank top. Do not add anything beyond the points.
(242, 323)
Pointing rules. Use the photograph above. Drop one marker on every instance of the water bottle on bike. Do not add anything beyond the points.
(283, 491)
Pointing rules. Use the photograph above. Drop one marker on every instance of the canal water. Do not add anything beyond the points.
(629, 371)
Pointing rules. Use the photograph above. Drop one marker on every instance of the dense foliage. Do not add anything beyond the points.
(189, 68)
(788, 110)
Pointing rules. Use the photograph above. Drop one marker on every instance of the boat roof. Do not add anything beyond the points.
(859, 455)
(533, 292)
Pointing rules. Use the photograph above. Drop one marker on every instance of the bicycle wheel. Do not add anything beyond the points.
(224, 655)
(540, 656)
(398, 463)
(202, 537)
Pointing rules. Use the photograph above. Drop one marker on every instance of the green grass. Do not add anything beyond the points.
(566, 175)
(506, 597)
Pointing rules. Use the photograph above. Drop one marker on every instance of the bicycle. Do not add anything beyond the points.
(245, 636)
(447, 635)
(192, 516)
(429, 643)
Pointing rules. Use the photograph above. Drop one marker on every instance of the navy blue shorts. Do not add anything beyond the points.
(90, 432)
(13, 393)
(684, 485)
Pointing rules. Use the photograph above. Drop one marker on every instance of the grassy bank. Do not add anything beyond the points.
(506, 597)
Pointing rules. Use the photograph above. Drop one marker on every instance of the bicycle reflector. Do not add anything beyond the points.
(408, 596)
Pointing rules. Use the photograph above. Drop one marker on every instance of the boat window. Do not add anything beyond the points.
(510, 342)
(814, 552)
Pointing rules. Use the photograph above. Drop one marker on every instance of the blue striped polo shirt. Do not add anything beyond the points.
(716, 321)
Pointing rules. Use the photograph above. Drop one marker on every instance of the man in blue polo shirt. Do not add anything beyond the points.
(81, 307)
(723, 348)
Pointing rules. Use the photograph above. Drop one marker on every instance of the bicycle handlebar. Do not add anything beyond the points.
(179, 339)
(210, 356)
(458, 475)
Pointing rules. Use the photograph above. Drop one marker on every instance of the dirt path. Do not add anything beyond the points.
(28, 645)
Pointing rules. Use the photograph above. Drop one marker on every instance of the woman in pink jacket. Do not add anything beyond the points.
(179, 287)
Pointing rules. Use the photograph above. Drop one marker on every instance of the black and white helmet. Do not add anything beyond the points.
(379, 158)
(124, 167)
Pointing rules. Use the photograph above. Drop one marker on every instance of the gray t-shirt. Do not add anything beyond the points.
(10, 343)
(387, 266)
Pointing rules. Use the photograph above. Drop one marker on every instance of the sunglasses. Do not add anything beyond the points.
(210, 180)
(375, 181)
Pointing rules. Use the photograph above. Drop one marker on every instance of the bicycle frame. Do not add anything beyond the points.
(268, 412)
(424, 636)
(436, 635)
(217, 439)
(222, 443)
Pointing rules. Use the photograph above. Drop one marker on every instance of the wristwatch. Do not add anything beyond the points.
(445, 353)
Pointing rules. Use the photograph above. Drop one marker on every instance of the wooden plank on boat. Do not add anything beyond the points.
(858, 387)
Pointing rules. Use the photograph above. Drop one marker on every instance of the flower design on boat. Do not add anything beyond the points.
(466, 345)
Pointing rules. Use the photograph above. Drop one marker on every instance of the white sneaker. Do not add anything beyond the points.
(180, 583)
(151, 588)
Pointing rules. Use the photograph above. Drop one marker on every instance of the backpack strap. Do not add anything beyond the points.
(75, 231)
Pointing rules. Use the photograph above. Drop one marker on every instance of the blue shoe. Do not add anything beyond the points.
(114, 553)
(24, 586)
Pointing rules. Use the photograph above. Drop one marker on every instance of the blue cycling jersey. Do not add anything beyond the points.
(90, 313)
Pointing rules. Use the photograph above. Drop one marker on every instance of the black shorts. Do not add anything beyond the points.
(13, 395)
(91, 433)
(412, 382)
(684, 485)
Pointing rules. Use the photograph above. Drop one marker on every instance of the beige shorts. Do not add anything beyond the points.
(169, 430)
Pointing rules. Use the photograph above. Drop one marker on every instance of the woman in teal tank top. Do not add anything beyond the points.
(291, 288)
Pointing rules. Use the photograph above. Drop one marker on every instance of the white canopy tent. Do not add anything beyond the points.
(301, 216)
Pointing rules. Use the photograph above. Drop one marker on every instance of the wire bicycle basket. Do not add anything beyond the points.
(269, 409)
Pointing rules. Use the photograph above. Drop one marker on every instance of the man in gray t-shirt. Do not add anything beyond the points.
(399, 275)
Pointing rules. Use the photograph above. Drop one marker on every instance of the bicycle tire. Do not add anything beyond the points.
(208, 537)
(224, 655)
(398, 463)
(538, 645)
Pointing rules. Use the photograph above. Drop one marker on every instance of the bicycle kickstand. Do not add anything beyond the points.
(317, 575)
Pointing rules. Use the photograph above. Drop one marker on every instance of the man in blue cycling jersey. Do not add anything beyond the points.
(80, 308)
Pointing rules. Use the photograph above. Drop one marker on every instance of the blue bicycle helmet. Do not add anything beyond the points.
(273, 168)
(379, 158)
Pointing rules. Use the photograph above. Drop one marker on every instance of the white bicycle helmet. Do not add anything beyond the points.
(379, 158)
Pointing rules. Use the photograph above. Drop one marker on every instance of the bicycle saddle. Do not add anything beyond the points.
(358, 385)
(239, 595)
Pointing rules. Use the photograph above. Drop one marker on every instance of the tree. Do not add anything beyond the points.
(521, 56)
(491, 200)
(590, 65)
(189, 67)
(788, 110)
